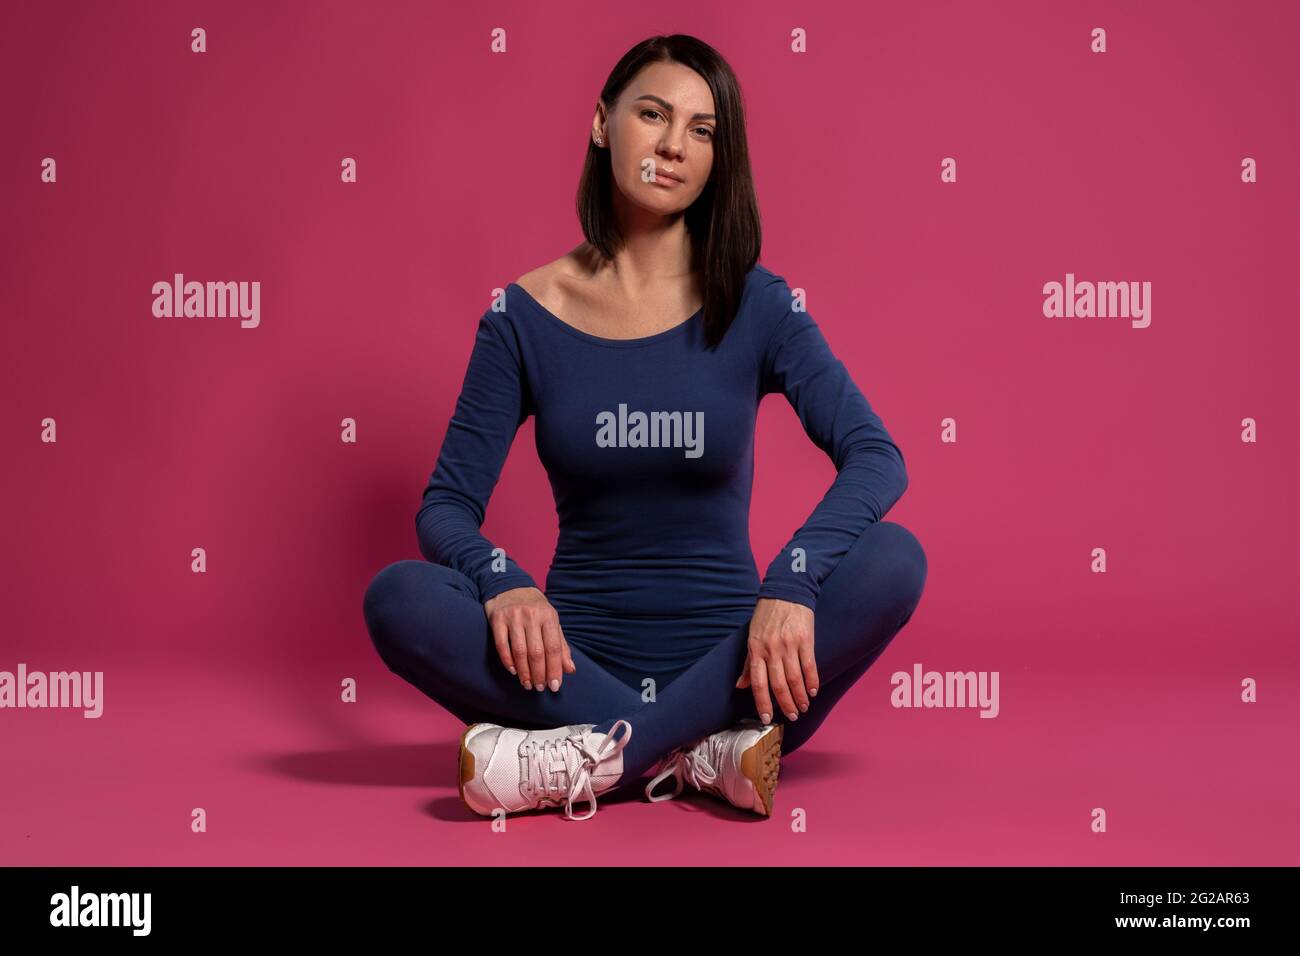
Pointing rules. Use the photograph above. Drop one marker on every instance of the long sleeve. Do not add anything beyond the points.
(871, 474)
(493, 403)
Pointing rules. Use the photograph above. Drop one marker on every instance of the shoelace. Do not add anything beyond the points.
(567, 762)
(697, 762)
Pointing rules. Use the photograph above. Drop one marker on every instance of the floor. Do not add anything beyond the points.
(287, 773)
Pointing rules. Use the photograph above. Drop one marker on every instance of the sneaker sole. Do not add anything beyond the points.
(465, 770)
(761, 763)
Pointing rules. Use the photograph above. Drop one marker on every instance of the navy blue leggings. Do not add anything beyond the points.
(430, 629)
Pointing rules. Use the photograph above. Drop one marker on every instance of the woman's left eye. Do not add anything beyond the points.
(705, 129)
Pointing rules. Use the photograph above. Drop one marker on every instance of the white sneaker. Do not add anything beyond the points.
(739, 764)
(502, 768)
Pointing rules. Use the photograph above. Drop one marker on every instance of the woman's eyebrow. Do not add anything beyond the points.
(669, 106)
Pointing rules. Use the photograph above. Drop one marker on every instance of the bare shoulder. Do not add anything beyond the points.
(557, 283)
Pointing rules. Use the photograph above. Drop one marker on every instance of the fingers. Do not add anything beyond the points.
(779, 681)
(536, 654)
(791, 648)
(519, 648)
(553, 645)
(793, 670)
(758, 680)
(808, 662)
(531, 645)
(501, 637)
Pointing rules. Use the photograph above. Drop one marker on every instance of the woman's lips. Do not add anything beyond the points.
(666, 179)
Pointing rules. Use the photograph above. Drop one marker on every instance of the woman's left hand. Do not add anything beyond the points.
(780, 659)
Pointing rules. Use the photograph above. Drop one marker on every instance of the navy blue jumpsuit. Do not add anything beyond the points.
(649, 448)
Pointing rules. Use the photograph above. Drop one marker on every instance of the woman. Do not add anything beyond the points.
(654, 617)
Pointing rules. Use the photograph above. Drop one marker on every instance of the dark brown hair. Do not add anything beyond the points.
(723, 221)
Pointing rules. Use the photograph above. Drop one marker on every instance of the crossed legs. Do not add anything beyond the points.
(864, 602)
(428, 625)
(429, 628)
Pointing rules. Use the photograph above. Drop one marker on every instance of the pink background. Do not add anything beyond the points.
(221, 690)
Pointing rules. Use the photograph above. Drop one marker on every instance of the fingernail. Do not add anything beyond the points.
(813, 692)
(767, 718)
(555, 685)
(513, 671)
(528, 685)
(540, 687)
(793, 715)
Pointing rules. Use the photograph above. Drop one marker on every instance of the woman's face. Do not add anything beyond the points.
(661, 127)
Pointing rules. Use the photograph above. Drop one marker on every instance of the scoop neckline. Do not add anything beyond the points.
(550, 316)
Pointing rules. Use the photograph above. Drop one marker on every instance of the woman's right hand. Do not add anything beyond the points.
(528, 637)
